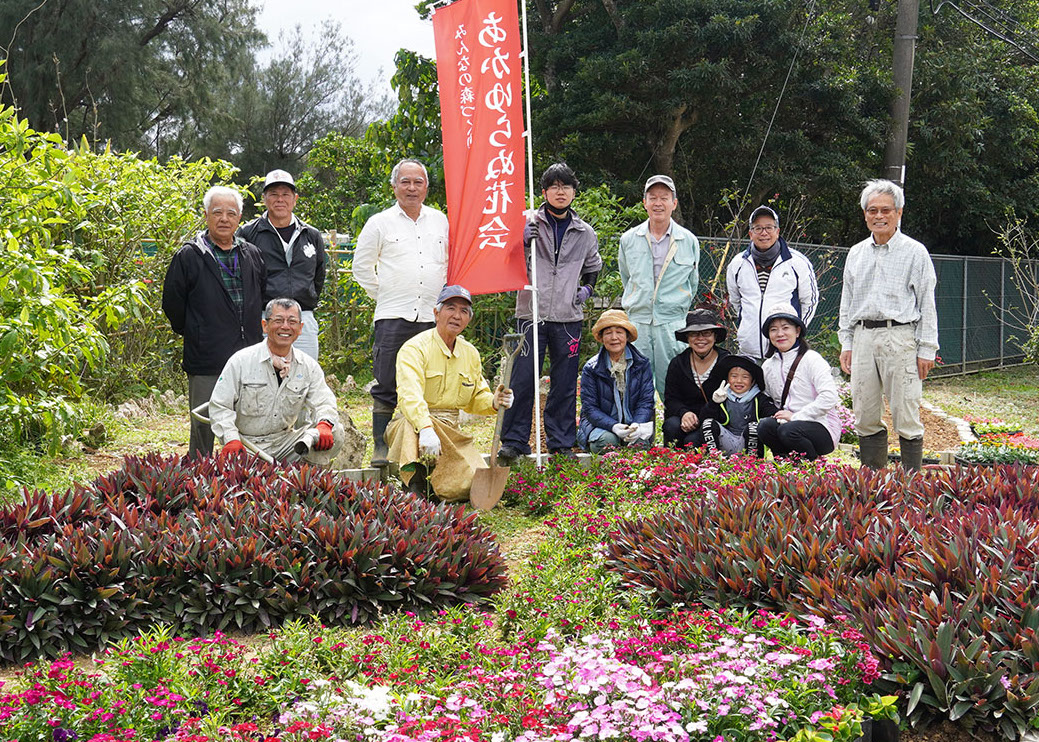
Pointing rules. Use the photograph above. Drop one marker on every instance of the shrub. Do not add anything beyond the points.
(218, 545)
(940, 572)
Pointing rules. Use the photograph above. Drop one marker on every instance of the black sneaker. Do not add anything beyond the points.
(563, 453)
(507, 456)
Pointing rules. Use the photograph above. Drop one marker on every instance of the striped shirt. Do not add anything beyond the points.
(890, 282)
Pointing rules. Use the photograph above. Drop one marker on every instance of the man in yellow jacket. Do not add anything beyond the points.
(438, 374)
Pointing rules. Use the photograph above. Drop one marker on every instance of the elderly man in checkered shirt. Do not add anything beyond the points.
(888, 328)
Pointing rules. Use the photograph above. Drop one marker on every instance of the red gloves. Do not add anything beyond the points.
(325, 438)
(231, 448)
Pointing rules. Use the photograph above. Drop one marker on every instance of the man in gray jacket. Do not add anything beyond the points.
(568, 265)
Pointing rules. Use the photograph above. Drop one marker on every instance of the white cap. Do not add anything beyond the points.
(279, 177)
(660, 180)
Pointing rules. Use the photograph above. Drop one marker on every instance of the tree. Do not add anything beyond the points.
(341, 173)
(974, 136)
(308, 88)
(146, 75)
(414, 130)
(688, 88)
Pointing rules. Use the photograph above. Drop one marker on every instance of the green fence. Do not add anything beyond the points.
(977, 303)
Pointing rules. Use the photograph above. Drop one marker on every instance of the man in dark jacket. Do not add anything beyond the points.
(293, 252)
(213, 297)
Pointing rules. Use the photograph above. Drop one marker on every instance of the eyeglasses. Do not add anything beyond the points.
(408, 182)
(759, 229)
(882, 210)
(278, 321)
(701, 333)
(231, 213)
(560, 188)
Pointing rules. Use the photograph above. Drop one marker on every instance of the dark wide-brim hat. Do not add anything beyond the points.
(702, 319)
(721, 371)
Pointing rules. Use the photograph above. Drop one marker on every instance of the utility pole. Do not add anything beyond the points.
(902, 67)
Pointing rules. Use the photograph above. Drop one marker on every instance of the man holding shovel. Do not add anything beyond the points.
(439, 374)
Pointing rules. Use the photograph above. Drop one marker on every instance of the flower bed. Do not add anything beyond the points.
(566, 653)
(999, 442)
(939, 572)
(226, 544)
(693, 675)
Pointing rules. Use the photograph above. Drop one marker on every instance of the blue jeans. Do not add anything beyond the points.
(562, 341)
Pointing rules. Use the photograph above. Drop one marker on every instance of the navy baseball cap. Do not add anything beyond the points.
(454, 292)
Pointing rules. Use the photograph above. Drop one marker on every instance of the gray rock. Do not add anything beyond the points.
(351, 456)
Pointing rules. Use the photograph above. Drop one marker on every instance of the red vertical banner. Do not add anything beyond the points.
(479, 74)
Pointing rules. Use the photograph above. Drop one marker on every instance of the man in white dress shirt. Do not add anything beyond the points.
(401, 262)
(888, 328)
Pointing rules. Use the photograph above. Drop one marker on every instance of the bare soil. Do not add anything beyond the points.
(939, 433)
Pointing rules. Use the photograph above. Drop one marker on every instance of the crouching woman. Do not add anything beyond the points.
(801, 382)
(616, 389)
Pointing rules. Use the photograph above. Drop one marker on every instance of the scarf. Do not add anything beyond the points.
(765, 258)
(746, 396)
(282, 364)
(618, 370)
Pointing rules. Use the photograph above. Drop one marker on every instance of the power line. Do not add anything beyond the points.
(994, 21)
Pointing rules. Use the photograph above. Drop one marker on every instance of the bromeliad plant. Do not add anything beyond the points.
(939, 572)
(226, 544)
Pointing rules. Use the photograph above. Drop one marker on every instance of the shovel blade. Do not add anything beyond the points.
(488, 486)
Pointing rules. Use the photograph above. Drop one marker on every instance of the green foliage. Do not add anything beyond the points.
(343, 172)
(87, 237)
(939, 572)
(146, 75)
(50, 313)
(218, 545)
(414, 130)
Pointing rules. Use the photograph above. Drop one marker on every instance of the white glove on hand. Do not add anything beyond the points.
(721, 393)
(503, 397)
(428, 442)
(645, 431)
(623, 431)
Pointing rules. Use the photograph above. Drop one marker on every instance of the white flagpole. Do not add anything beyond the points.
(533, 247)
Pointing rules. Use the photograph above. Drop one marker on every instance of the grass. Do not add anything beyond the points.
(1010, 394)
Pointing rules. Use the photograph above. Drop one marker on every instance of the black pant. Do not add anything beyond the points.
(562, 340)
(803, 436)
(675, 436)
(390, 334)
(200, 442)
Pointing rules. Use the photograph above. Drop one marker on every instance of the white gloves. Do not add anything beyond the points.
(645, 431)
(428, 442)
(721, 393)
(503, 397)
(625, 432)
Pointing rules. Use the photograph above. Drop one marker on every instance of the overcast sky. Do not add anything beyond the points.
(378, 28)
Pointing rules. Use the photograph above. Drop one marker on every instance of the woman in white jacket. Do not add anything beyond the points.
(801, 382)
